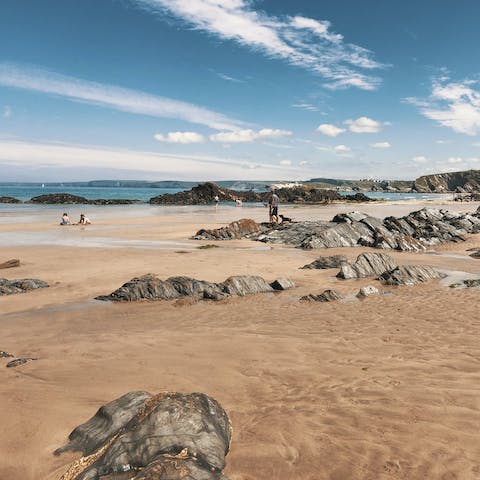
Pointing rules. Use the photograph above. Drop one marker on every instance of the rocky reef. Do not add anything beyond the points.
(150, 287)
(413, 232)
(69, 199)
(205, 193)
(9, 200)
(323, 263)
(168, 436)
(11, 287)
(240, 229)
(325, 296)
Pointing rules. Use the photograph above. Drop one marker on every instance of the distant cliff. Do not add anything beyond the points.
(468, 181)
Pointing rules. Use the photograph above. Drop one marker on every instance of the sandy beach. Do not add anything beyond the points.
(383, 388)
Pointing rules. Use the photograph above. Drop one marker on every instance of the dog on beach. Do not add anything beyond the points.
(285, 219)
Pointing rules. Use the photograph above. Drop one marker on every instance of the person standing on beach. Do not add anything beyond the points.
(273, 202)
(217, 201)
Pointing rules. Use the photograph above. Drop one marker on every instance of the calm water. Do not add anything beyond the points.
(144, 194)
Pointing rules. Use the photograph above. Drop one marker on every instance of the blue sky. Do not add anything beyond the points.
(237, 89)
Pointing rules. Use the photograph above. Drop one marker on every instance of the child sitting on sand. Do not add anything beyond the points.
(65, 220)
(84, 220)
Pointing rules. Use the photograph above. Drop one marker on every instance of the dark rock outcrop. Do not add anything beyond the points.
(410, 275)
(69, 199)
(10, 263)
(323, 263)
(59, 199)
(466, 181)
(10, 287)
(367, 265)
(9, 200)
(326, 296)
(4, 354)
(150, 287)
(413, 232)
(205, 193)
(169, 436)
(239, 229)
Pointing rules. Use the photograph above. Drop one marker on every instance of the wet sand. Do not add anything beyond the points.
(382, 388)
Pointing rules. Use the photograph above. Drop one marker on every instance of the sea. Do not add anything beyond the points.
(144, 194)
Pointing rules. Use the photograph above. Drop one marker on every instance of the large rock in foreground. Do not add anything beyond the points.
(169, 436)
(150, 287)
(11, 287)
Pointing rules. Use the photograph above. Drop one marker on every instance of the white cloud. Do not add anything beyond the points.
(380, 145)
(180, 137)
(455, 160)
(303, 163)
(363, 125)
(455, 105)
(301, 41)
(306, 106)
(194, 167)
(342, 149)
(442, 142)
(330, 130)
(285, 162)
(111, 96)
(7, 111)
(420, 159)
(244, 136)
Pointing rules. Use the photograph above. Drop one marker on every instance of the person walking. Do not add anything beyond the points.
(273, 202)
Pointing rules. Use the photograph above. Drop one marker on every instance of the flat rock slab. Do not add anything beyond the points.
(10, 263)
(19, 361)
(323, 263)
(239, 229)
(326, 296)
(11, 287)
(410, 275)
(365, 292)
(168, 436)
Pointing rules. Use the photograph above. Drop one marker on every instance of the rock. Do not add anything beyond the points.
(4, 354)
(239, 229)
(147, 287)
(367, 265)
(410, 275)
(150, 287)
(475, 254)
(9, 200)
(367, 291)
(10, 287)
(282, 284)
(470, 283)
(246, 285)
(167, 436)
(326, 296)
(348, 217)
(59, 199)
(333, 261)
(18, 361)
(197, 289)
(10, 263)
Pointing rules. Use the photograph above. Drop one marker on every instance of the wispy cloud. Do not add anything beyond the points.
(301, 41)
(229, 78)
(306, 106)
(111, 96)
(7, 111)
(180, 137)
(195, 167)
(245, 136)
(380, 145)
(455, 105)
